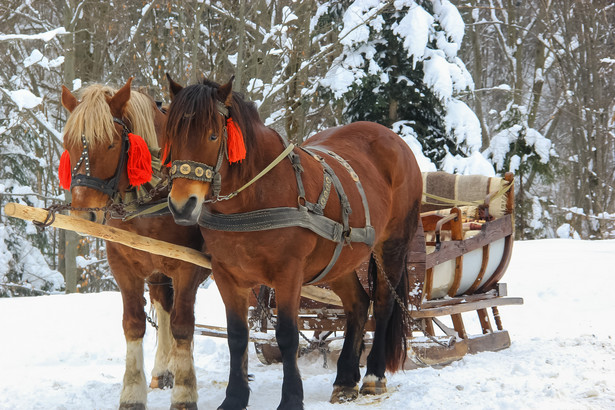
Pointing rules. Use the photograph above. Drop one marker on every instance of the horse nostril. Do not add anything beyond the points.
(92, 216)
(184, 214)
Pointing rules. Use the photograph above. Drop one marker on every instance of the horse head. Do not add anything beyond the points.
(198, 131)
(103, 158)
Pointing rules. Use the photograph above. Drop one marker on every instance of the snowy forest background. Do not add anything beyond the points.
(481, 86)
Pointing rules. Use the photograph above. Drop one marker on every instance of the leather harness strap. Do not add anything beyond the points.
(306, 215)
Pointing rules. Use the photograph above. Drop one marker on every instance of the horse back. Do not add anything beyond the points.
(386, 168)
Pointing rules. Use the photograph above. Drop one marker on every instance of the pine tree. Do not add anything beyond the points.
(401, 70)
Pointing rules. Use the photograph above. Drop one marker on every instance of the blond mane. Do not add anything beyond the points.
(92, 117)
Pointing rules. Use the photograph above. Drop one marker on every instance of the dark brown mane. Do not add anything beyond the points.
(194, 109)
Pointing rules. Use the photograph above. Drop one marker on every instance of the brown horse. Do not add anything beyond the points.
(96, 138)
(199, 119)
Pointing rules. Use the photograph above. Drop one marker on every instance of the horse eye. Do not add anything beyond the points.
(111, 146)
(213, 137)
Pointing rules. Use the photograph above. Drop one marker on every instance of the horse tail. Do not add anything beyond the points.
(398, 324)
(397, 329)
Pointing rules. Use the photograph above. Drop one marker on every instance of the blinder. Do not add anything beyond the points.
(109, 186)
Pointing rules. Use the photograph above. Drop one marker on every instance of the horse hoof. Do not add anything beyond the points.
(183, 406)
(132, 406)
(163, 381)
(343, 394)
(374, 385)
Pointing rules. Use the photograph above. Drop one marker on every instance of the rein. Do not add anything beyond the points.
(268, 168)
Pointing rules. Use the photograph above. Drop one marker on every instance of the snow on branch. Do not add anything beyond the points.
(46, 36)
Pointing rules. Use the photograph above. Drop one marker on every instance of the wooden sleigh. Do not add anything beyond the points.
(456, 261)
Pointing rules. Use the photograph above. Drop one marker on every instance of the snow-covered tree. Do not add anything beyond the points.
(400, 68)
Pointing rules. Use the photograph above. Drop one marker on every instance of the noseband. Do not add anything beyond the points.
(108, 186)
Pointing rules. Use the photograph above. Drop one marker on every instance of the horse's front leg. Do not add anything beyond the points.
(184, 395)
(287, 335)
(134, 386)
(161, 295)
(236, 301)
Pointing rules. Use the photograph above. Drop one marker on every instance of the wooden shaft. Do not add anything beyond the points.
(109, 233)
(141, 243)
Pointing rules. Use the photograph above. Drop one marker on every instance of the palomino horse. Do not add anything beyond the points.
(310, 232)
(105, 159)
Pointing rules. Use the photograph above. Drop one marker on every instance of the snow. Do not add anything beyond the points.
(24, 98)
(46, 36)
(414, 29)
(67, 351)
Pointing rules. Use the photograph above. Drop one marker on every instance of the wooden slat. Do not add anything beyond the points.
(491, 231)
(466, 307)
(458, 325)
(483, 318)
(483, 269)
(501, 269)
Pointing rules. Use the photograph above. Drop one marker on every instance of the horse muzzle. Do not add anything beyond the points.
(186, 213)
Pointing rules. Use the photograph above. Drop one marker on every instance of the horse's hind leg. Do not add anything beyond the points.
(356, 304)
(287, 335)
(389, 345)
(181, 363)
(161, 295)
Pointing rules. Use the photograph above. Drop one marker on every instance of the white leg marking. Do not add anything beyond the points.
(134, 389)
(165, 341)
(182, 366)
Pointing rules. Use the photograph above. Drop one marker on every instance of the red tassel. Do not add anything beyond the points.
(139, 165)
(236, 145)
(165, 156)
(64, 171)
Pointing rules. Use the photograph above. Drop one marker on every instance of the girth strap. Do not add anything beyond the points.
(368, 231)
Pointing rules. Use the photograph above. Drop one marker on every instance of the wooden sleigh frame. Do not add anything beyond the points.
(440, 239)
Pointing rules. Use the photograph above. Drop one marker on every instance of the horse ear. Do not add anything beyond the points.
(174, 88)
(225, 92)
(69, 101)
(120, 99)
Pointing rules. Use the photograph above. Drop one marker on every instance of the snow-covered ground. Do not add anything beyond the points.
(67, 351)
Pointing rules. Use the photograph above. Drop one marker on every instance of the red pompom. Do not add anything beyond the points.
(64, 171)
(139, 166)
(236, 145)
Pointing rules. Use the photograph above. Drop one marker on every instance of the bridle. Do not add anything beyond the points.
(198, 171)
(108, 186)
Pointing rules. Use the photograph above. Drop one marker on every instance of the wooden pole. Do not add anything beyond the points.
(141, 243)
(109, 233)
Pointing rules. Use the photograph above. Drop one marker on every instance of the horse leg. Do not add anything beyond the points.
(181, 363)
(287, 336)
(389, 347)
(161, 295)
(356, 304)
(134, 386)
(236, 302)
